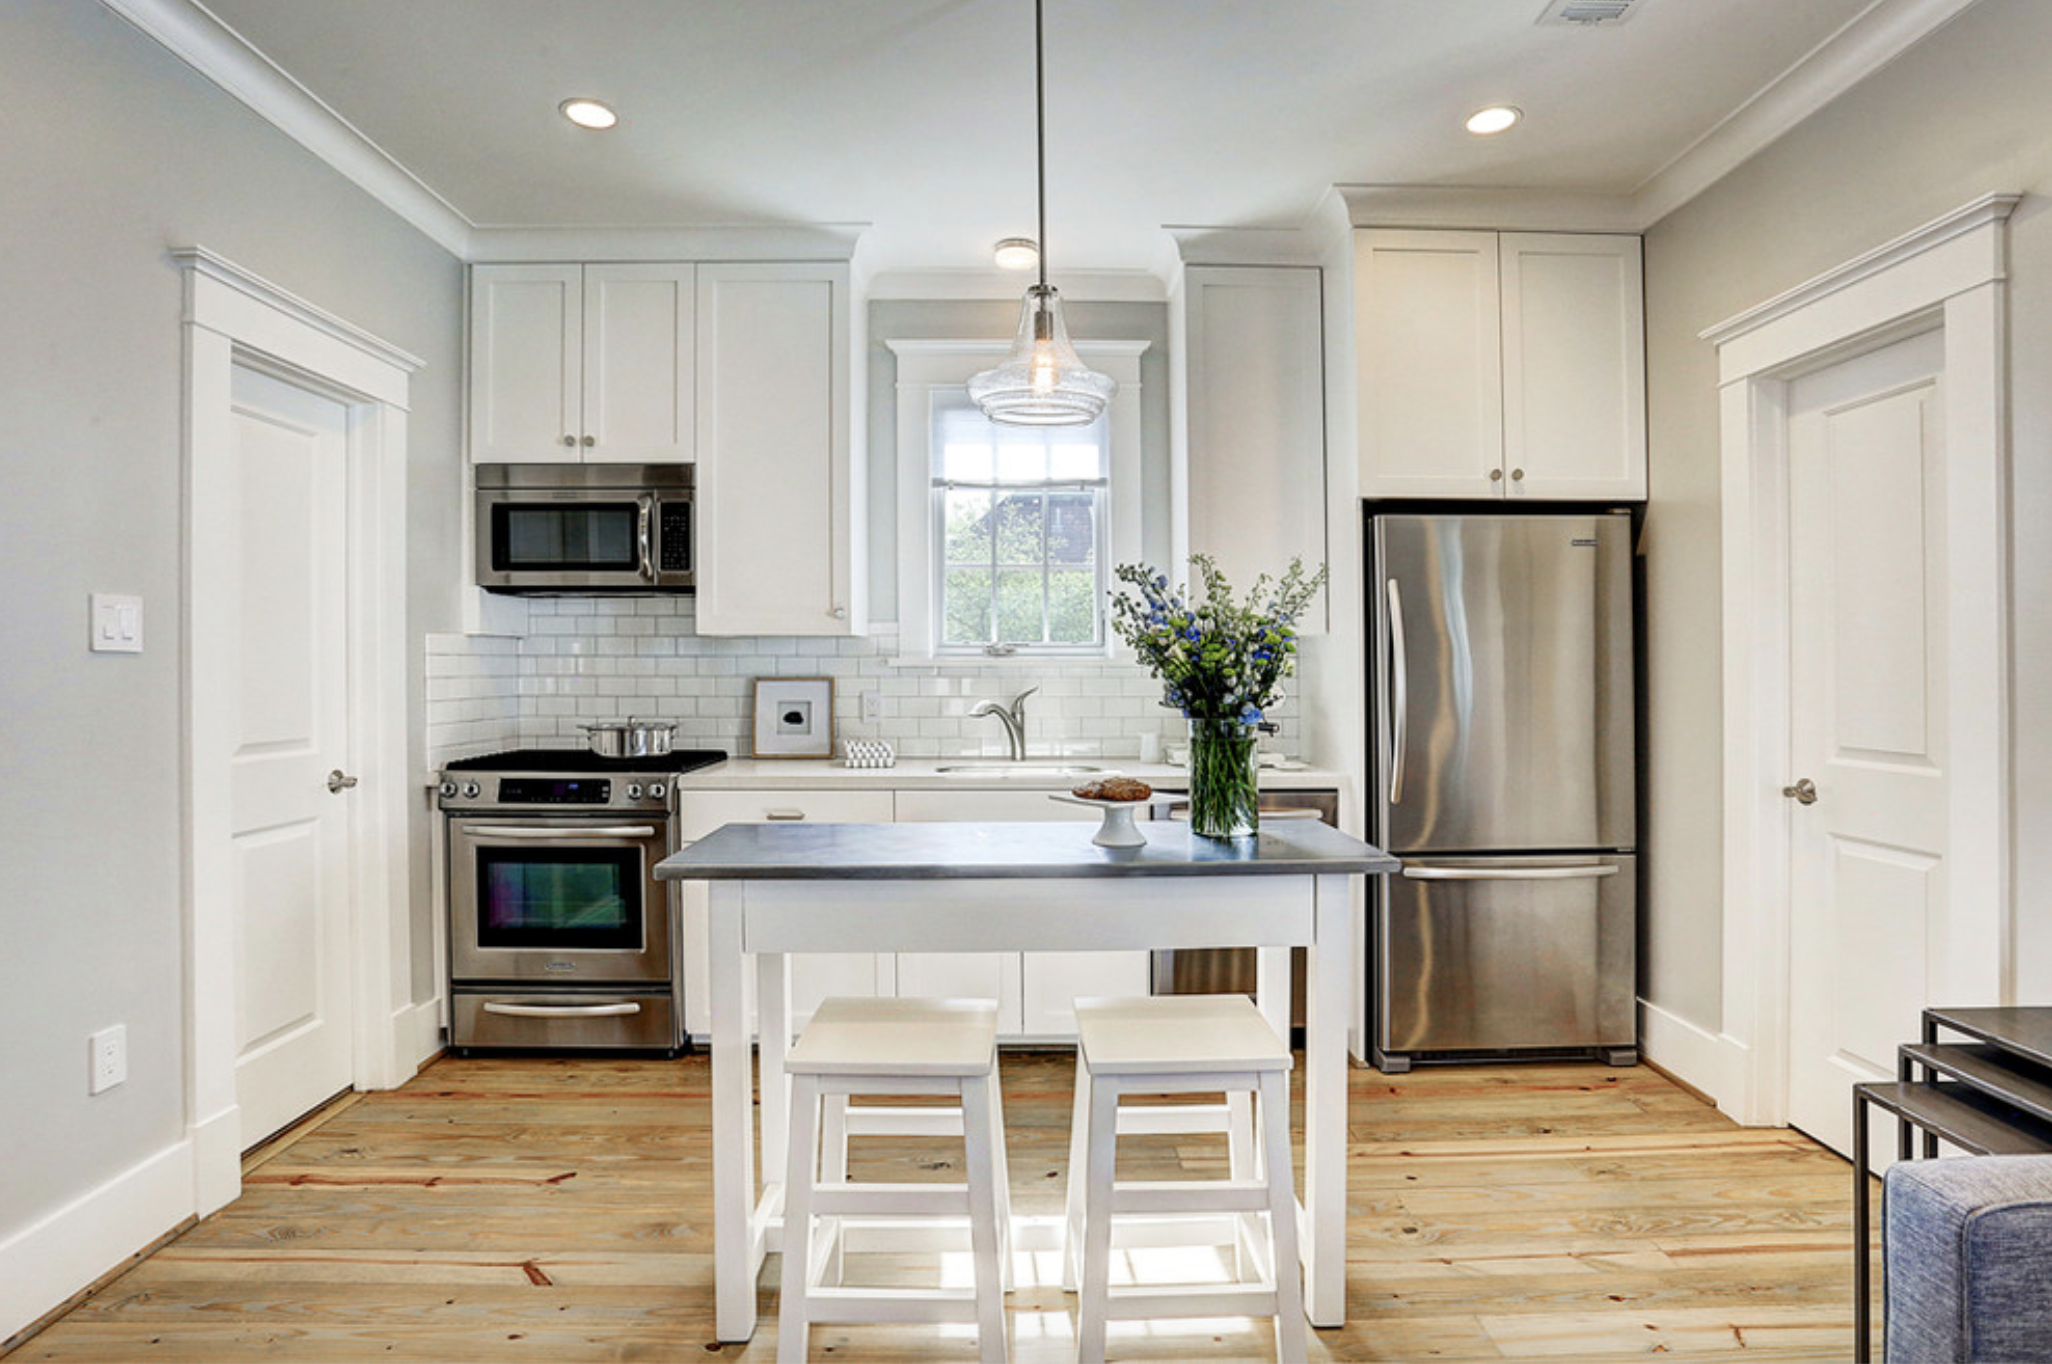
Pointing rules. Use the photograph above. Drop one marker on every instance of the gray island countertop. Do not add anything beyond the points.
(939, 851)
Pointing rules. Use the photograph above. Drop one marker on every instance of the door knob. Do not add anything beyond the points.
(337, 783)
(1804, 792)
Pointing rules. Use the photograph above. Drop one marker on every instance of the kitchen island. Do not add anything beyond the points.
(993, 887)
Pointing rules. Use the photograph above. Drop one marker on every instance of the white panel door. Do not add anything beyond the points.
(640, 340)
(1574, 366)
(526, 364)
(1431, 375)
(774, 502)
(289, 832)
(1868, 665)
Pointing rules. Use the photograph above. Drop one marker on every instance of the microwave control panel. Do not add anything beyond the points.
(674, 536)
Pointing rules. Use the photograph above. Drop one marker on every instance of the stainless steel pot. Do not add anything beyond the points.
(629, 738)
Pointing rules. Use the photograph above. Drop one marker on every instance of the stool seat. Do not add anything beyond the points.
(1172, 1034)
(859, 1036)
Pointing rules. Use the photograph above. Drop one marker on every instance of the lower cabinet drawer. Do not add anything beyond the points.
(517, 1018)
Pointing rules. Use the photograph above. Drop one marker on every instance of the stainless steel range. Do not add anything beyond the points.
(559, 933)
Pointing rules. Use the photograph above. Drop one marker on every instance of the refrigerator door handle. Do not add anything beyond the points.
(1503, 874)
(1401, 702)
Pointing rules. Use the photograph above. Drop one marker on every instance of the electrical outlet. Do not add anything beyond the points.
(108, 1050)
(872, 707)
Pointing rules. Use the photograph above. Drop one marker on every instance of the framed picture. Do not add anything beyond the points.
(794, 717)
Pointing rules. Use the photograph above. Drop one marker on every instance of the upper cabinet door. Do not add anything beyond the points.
(526, 363)
(640, 340)
(1253, 457)
(778, 501)
(1431, 397)
(1574, 366)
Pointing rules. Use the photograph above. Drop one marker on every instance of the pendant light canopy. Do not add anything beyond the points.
(1043, 382)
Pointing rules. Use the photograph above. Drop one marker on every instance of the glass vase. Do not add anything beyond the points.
(1223, 799)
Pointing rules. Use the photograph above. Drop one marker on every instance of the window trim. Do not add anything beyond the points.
(928, 367)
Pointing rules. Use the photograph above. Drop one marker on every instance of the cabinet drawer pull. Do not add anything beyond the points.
(783, 814)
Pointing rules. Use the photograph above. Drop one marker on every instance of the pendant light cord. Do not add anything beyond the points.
(1040, 133)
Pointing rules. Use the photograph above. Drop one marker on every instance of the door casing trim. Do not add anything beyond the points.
(1948, 275)
(232, 317)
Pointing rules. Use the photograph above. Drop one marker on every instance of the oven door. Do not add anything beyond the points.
(567, 899)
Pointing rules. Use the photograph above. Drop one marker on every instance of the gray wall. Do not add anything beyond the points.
(1963, 114)
(898, 320)
(112, 152)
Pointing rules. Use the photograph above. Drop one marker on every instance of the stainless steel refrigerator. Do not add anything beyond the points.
(1504, 777)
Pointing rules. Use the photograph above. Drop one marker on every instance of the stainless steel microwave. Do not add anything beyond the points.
(578, 528)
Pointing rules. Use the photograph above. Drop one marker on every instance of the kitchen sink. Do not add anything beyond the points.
(1018, 769)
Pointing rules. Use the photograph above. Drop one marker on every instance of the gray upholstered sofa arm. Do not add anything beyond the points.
(1968, 1243)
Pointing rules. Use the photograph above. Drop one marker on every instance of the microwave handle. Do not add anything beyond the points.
(647, 504)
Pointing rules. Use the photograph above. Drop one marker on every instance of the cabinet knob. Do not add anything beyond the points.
(1517, 475)
(593, 440)
(840, 613)
(569, 440)
(1496, 475)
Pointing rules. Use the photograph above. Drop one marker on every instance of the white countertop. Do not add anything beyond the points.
(766, 774)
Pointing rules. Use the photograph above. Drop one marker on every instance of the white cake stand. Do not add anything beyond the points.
(1118, 829)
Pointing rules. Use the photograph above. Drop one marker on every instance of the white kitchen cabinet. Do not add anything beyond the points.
(1500, 365)
(814, 976)
(583, 363)
(780, 505)
(1250, 445)
(1036, 991)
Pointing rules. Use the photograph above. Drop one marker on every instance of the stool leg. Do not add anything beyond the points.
(1004, 1173)
(794, 1312)
(1093, 1302)
(980, 1167)
(1282, 1217)
(1072, 1202)
(1240, 1164)
(833, 1169)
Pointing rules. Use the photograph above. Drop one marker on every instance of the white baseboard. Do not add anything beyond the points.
(1711, 1062)
(46, 1262)
(416, 1035)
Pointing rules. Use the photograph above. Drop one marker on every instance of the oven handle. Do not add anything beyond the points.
(617, 1010)
(560, 832)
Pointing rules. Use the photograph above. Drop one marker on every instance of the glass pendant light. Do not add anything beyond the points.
(1042, 382)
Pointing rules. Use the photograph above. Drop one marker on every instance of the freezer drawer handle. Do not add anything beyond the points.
(1496, 874)
(562, 832)
(1400, 666)
(616, 1010)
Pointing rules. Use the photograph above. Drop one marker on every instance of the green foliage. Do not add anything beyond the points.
(1217, 658)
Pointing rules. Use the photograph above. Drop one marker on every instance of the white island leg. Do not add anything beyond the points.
(732, 1119)
(1326, 1004)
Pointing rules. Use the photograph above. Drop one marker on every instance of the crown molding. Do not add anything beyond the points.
(1081, 286)
(201, 41)
(1880, 34)
(1487, 206)
(710, 243)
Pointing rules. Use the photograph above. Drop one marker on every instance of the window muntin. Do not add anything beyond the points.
(1020, 534)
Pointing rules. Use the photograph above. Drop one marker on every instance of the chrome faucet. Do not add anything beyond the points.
(1012, 717)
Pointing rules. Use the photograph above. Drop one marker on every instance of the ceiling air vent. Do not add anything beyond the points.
(1589, 13)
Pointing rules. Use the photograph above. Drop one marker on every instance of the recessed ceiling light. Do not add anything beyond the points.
(588, 113)
(1494, 119)
(1016, 253)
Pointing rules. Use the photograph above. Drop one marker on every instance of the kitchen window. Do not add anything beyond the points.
(1018, 533)
(1008, 535)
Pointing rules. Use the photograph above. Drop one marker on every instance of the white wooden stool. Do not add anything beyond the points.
(1184, 1044)
(894, 1047)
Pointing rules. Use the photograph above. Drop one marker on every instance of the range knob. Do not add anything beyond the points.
(447, 789)
(472, 790)
(634, 790)
(656, 790)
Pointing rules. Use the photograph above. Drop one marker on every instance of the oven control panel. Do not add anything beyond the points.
(543, 792)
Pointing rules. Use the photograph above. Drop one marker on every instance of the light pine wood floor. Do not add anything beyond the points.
(559, 1209)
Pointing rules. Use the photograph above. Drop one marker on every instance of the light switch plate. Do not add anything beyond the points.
(117, 624)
